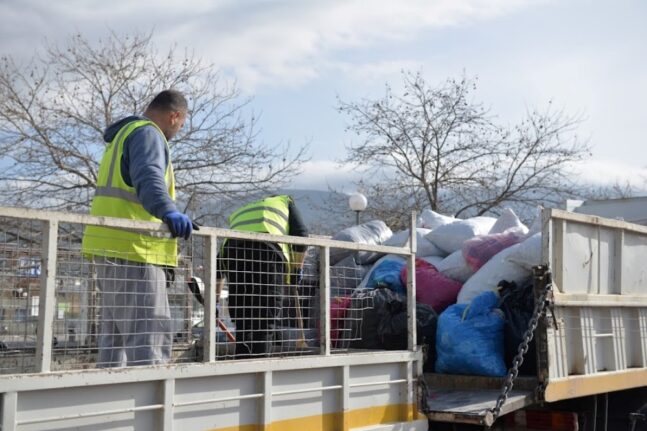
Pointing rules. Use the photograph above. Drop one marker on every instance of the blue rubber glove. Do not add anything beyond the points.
(179, 224)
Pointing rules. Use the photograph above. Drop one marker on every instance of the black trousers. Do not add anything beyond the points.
(255, 274)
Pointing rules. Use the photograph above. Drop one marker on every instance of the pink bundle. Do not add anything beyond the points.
(478, 250)
(432, 287)
(338, 310)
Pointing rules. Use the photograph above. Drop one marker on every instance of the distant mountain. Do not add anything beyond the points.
(324, 212)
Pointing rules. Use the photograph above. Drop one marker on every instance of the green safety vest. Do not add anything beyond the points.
(115, 198)
(269, 215)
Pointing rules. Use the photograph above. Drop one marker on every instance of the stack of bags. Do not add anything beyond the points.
(459, 267)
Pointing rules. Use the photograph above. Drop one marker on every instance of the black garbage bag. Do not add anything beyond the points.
(427, 321)
(364, 314)
(392, 328)
(517, 304)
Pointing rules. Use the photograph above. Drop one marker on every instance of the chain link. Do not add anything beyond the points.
(423, 393)
(540, 308)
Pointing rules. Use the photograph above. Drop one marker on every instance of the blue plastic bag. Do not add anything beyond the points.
(469, 338)
(386, 273)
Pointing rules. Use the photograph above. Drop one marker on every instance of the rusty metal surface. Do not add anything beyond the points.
(472, 406)
(453, 381)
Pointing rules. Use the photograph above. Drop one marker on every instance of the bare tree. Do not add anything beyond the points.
(437, 148)
(616, 190)
(53, 112)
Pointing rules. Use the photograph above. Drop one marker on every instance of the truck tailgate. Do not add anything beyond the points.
(468, 399)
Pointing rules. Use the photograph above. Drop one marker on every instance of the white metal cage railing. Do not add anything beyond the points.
(61, 309)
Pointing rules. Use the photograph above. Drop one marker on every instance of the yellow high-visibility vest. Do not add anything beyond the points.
(115, 198)
(269, 215)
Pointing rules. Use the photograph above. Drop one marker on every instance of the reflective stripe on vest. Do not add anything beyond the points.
(115, 198)
(282, 228)
(269, 215)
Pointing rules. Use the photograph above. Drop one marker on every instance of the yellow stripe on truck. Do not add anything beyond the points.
(598, 383)
(331, 421)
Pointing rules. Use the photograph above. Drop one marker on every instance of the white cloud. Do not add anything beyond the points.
(599, 172)
(374, 71)
(295, 43)
(279, 43)
(326, 174)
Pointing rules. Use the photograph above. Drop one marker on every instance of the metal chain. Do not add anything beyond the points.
(540, 308)
(423, 393)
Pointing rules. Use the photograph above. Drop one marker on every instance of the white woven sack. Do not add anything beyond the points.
(488, 277)
(424, 247)
(450, 237)
(528, 254)
(434, 260)
(429, 219)
(455, 267)
(508, 220)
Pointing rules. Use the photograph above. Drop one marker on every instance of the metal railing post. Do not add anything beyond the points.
(209, 330)
(265, 407)
(168, 394)
(411, 286)
(9, 411)
(324, 300)
(345, 397)
(47, 302)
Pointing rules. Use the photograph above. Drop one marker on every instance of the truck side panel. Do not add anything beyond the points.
(51, 378)
(334, 393)
(596, 342)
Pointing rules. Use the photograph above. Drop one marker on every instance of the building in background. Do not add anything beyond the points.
(633, 210)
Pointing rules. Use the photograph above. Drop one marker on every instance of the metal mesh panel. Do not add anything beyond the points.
(112, 311)
(75, 326)
(117, 312)
(194, 281)
(271, 312)
(20, 269)
(347, 309)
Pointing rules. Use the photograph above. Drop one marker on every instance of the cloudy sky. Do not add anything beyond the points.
(296, 56)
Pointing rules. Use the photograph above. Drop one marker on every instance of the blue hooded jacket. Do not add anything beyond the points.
(143, 164)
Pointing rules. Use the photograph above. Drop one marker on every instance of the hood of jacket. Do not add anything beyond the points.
(113, 129)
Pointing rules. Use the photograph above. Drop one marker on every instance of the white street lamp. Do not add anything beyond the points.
(357, 203)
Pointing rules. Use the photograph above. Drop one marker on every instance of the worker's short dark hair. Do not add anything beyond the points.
(169, 100)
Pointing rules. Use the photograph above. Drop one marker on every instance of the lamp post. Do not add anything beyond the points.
(357, 203)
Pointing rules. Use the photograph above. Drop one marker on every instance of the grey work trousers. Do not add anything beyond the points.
(135, 318)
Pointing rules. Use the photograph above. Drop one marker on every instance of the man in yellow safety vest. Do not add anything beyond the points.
(136, 182)
(256, 271)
